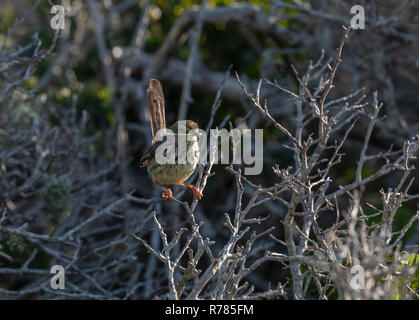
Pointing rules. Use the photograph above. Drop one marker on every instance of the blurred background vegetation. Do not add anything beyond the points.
(72, 79)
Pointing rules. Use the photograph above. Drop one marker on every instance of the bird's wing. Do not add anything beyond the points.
(156, 103)
(148, 155)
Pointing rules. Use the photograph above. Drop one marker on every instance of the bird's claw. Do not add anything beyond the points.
(167, 194)
(196, 192)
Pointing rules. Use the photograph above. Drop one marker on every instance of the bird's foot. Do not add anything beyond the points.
(196, 192)
(167, 194)
(194, 189)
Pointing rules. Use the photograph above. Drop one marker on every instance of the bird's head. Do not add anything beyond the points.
(189, 125)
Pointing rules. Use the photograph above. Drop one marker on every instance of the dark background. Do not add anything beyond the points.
(81, 117)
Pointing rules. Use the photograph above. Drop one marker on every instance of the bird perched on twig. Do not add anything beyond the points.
(169, 173)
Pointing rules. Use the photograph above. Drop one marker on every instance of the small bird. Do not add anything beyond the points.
(175, 173)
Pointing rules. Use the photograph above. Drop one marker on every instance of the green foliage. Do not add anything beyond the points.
(31, 83)
(15, 243)
(350, 174)
(97, 101)
(56, 194)
(413, 259)
(19, 249)
(401, 218)
(7, 16)
(407, 261)
(24, 111)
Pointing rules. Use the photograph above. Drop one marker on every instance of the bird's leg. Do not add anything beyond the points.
(167, 194)
(194, 189)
